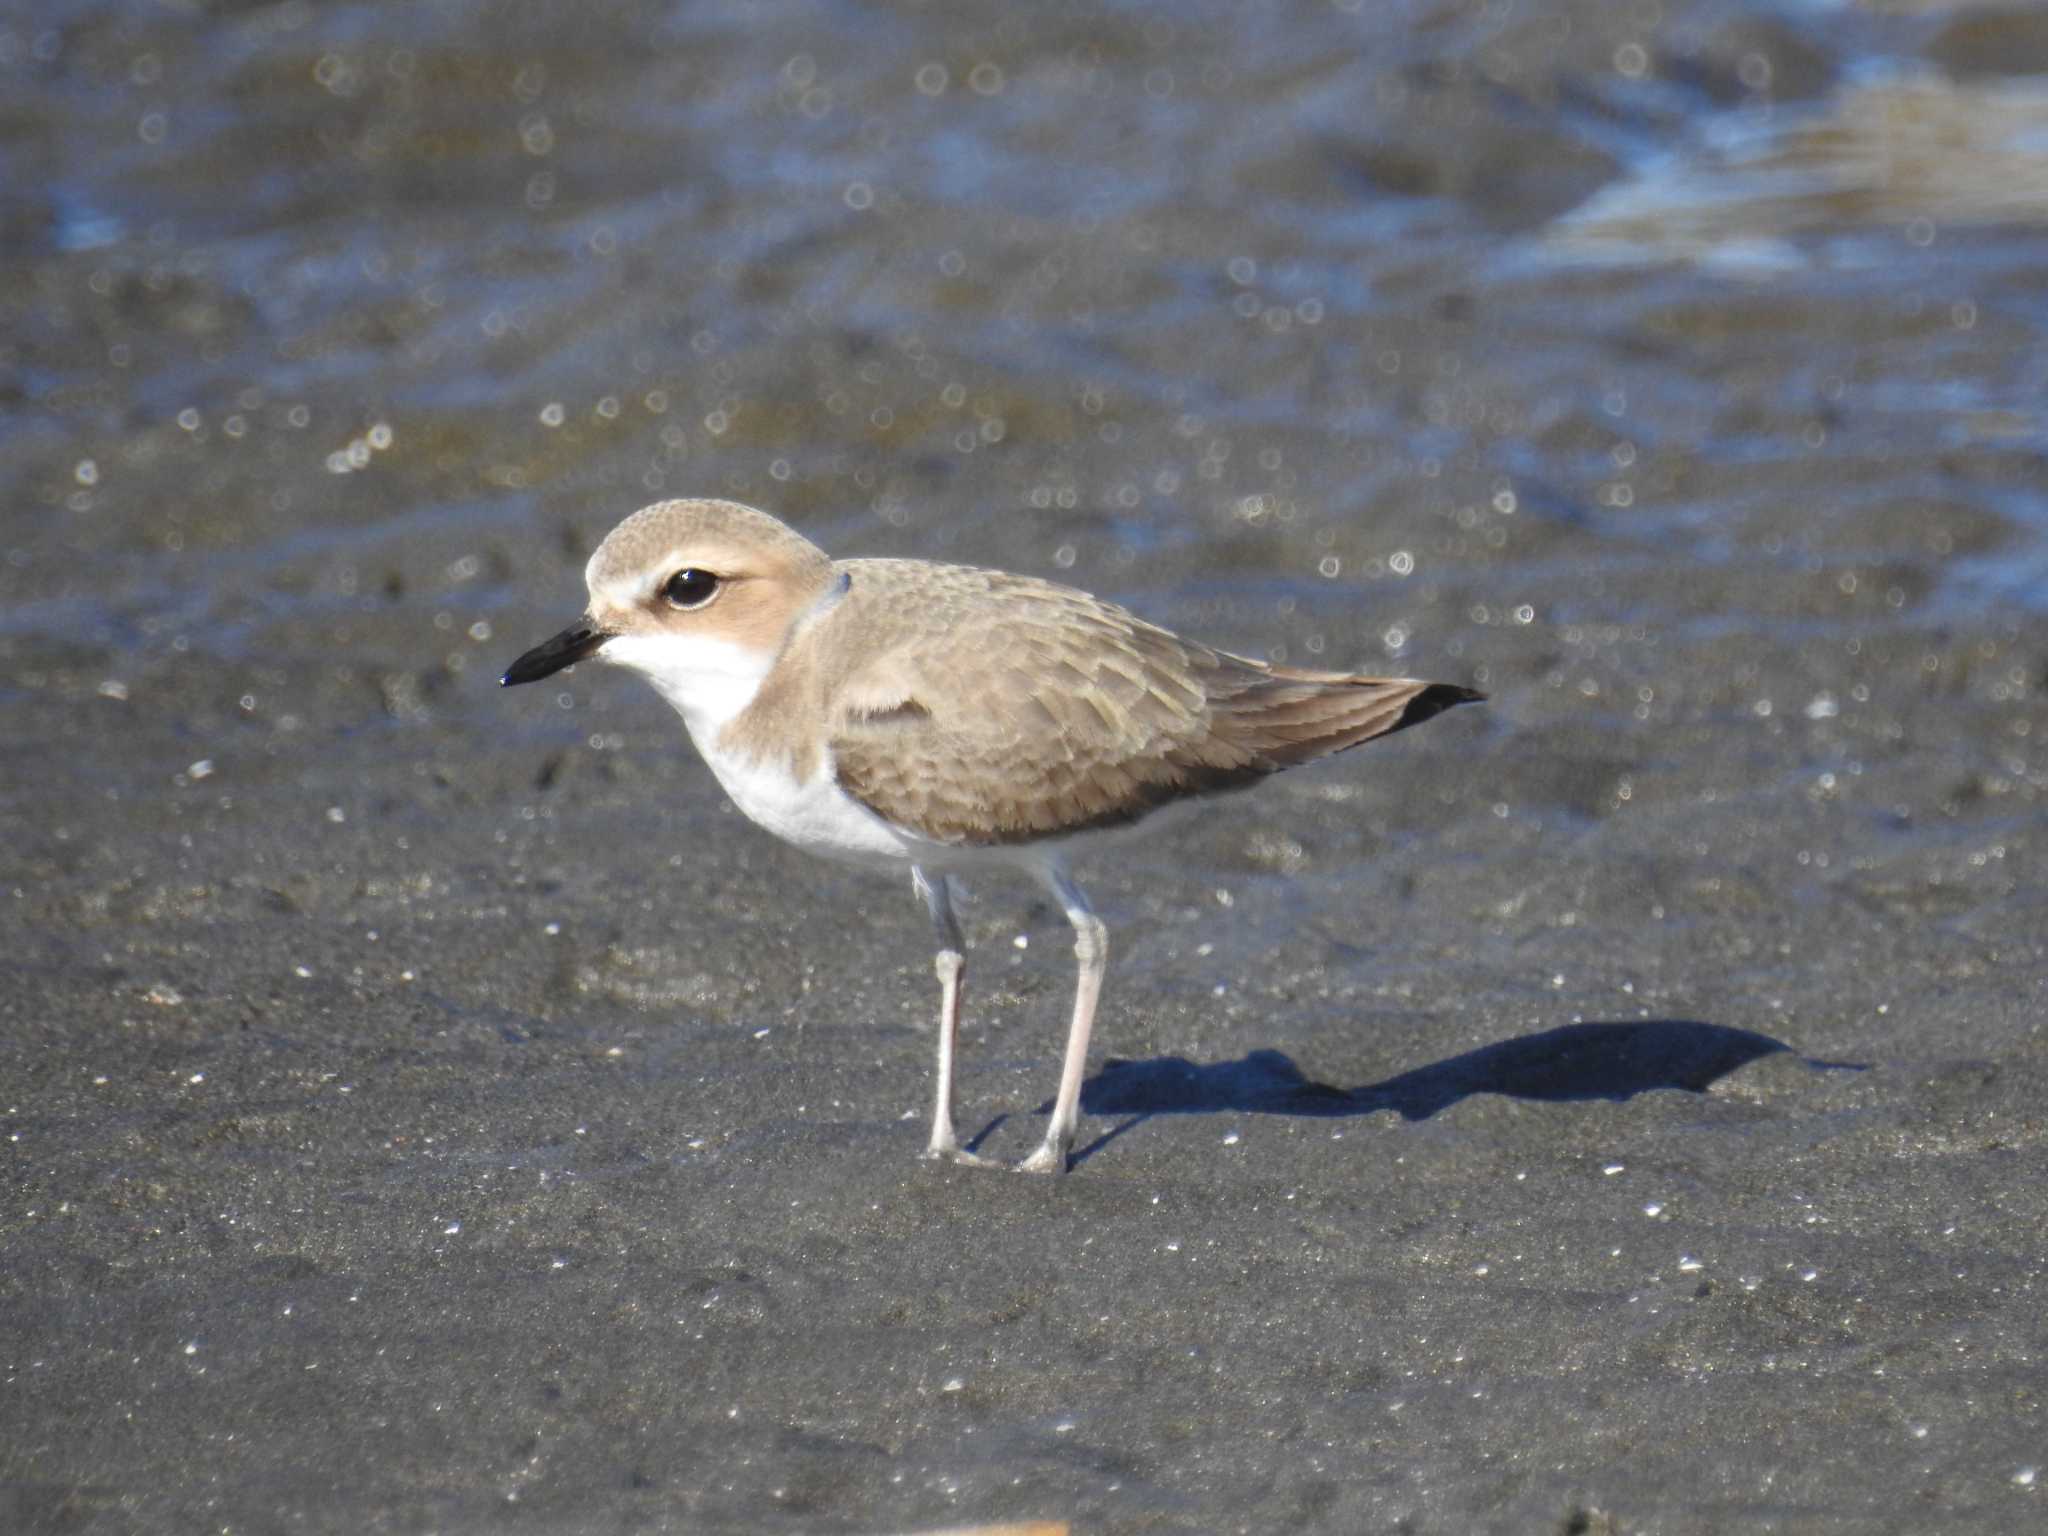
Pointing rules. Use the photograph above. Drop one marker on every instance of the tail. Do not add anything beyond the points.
(1284, 716)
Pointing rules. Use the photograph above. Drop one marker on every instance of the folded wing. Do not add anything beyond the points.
(1014, 709)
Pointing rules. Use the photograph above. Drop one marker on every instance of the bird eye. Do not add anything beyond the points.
(690, 588)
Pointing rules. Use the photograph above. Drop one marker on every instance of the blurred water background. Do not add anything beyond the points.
(1647, 365)
(1414, 307)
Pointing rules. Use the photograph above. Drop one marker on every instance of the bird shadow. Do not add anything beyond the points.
(1575, 1061)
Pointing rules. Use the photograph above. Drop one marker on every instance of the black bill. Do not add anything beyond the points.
(550, 656)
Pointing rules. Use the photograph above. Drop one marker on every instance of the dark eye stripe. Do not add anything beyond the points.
(690, 588)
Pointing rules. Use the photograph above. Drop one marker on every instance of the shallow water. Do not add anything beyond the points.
(1674, 373)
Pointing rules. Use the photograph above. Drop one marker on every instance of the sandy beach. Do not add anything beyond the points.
(1619, 1108)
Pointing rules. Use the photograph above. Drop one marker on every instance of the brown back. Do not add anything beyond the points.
(983, 708)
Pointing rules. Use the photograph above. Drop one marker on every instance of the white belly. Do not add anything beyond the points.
(710, 682)
(815, 813)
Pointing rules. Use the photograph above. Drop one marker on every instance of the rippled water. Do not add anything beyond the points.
(1152, 291)
(1529, 343)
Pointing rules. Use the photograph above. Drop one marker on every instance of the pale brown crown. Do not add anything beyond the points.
(766, 572)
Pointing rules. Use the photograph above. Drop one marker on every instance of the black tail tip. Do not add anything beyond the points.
(1434, 700)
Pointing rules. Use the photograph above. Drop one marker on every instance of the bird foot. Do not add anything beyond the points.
(1049, 1158)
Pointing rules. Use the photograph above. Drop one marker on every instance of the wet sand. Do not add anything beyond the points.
(430, 1108)
(400, 1142)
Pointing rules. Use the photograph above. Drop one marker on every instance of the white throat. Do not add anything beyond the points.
(707, 681)
(711, 681)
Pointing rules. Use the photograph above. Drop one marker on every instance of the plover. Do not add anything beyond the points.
(902, 714)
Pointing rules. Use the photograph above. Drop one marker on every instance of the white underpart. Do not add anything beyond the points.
(709, 682)
(815, 813)
(705, 680)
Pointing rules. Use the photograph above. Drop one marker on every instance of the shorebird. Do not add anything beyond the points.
(947, 720)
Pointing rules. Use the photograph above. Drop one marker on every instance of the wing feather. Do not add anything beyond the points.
(999, 709)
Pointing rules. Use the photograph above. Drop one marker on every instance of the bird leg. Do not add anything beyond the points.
(1091, 956)
(951, 964)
